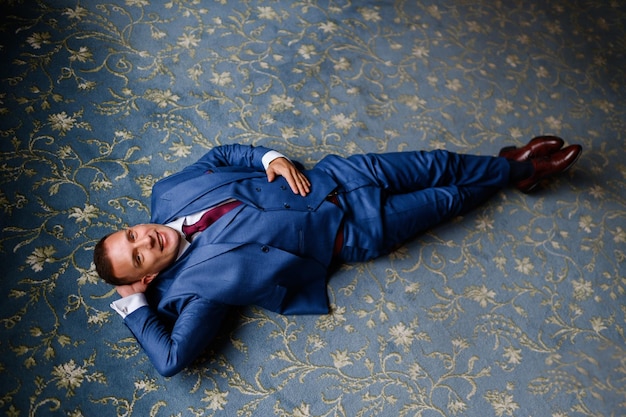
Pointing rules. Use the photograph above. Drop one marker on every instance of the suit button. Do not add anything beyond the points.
(265, 249)
(310, 208)
(282, 187)
(286, 206)
(258, 189)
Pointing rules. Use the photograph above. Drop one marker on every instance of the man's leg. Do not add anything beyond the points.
(392, 197)
(389, 198)
(402, 172)
(404, 216)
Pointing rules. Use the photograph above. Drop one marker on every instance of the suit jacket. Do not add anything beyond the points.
(273, 251)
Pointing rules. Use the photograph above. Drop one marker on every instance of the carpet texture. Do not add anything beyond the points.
(516, 309)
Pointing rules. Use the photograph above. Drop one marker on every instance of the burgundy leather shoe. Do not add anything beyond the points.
(536, 148)
(547, 166)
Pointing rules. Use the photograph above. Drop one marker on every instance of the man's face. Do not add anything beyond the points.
(142, 251)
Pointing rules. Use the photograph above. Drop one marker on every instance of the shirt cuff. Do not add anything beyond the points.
(270, 156)
(125, 306)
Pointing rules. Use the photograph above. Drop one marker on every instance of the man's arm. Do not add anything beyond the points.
(172, 350)
(231, 156)
(257, 158)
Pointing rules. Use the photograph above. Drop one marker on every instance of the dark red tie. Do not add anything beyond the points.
(208, 218)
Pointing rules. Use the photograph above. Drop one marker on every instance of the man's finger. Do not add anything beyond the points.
(294, 184)
(304, 184)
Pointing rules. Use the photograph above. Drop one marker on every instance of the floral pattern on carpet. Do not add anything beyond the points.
(516, 309)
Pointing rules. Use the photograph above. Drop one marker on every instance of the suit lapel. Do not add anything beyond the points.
(196, 194)
(198, 252)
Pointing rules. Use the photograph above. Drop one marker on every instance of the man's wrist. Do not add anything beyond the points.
(125, 306)
(271, 156)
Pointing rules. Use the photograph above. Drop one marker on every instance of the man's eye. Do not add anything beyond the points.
(138, 259)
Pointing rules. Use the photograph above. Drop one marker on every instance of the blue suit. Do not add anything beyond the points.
(274, 250)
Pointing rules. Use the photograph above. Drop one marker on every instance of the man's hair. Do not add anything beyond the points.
(104, 267)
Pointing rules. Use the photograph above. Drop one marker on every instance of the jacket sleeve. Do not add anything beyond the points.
(171, 349)
(231, 156)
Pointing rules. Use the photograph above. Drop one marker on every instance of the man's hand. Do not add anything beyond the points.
(130, 289)
(283, 167)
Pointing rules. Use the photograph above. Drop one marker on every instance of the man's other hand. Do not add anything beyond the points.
(283, 167)
(130, 289)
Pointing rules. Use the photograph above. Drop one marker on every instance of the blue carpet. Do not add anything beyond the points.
(517, 309)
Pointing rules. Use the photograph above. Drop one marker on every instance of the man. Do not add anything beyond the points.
(277, 229)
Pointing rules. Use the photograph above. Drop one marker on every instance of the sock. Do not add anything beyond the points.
(520, 170)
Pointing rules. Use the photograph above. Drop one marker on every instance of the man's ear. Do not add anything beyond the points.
(147, 279)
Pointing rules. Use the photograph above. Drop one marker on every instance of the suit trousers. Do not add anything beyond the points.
(392, 197)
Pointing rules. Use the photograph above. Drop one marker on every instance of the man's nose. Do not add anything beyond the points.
(146, 241)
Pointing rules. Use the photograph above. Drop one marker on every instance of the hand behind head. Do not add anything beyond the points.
(134, 288)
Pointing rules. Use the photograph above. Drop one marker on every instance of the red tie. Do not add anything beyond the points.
(208, 218)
